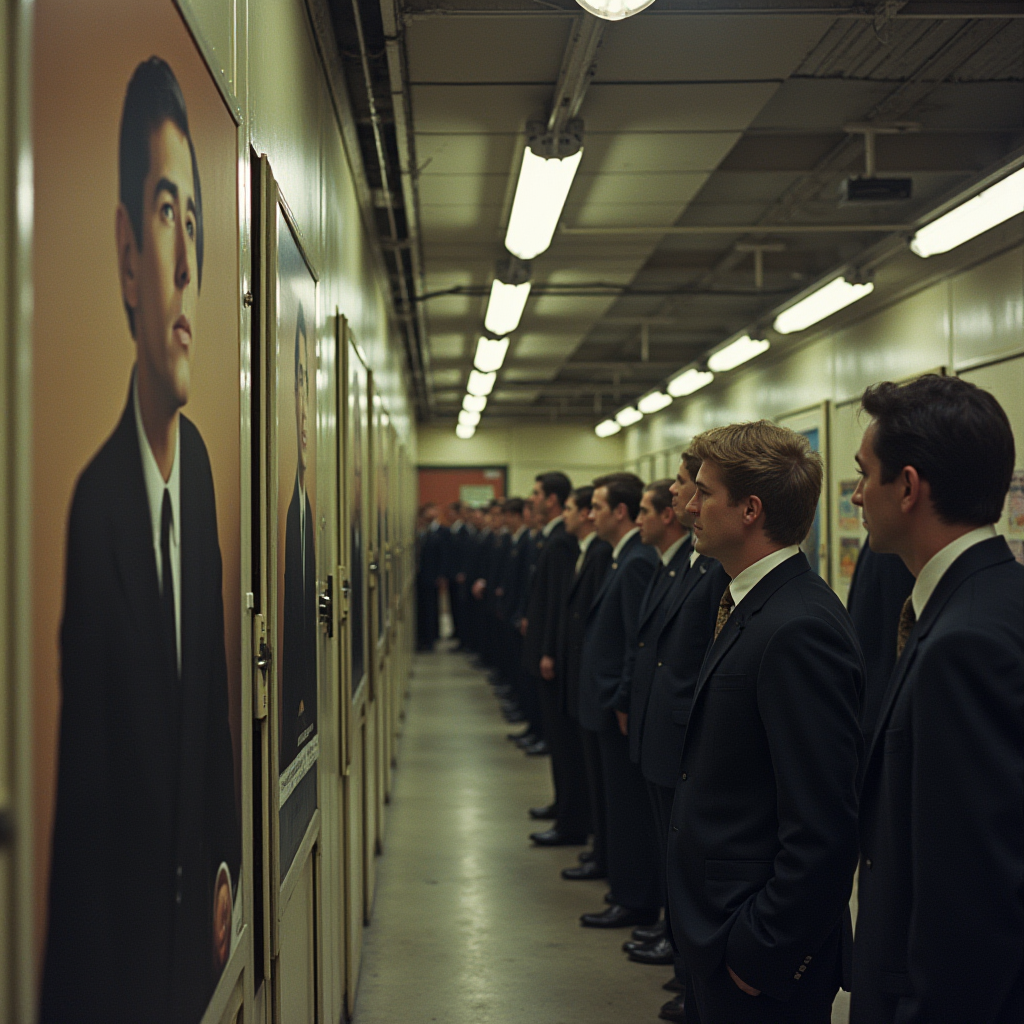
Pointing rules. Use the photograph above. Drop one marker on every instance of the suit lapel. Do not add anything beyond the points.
(677, 566)
(694, 574)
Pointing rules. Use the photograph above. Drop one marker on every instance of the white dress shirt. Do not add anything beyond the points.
(936, 566)
(155, 488)
(584, 544)
(753, 574)
(670, 552)
(622, 543)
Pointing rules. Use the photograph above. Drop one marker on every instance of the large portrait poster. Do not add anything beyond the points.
(136, 604)
(297, 623)
(356, 430)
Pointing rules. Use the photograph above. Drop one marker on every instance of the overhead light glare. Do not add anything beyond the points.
(490, 354)
(606, 428)
(836, 295)
(505, 307)
(999, 202)
(480, 384)
(628, 416)
(614, 10)
(474, 403)
(469, 419)
(540, 195)
(653, 402)
(689, 381)
(737, 353)
(465, 431)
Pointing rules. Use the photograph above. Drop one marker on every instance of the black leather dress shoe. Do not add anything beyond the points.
(543, 813)
(618, 917)
(674, 1010)
(515, 737)
(586, 855)
(526, 740)
(538, 749)
(658, 953)
(673, 985)
(584, 873)
(552, 837)
(649, 933)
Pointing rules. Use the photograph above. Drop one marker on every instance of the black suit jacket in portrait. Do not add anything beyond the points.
(667, 668)
(763, 843)
(556, 563)
(145, 788)
(940, 926)
(609, 644)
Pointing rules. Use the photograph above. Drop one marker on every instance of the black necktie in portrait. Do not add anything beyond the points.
(167, 596)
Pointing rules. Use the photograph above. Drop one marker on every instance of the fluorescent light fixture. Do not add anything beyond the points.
(490, 354)
(999, 202)
(653, 402)
(738, 352)
(474, 403)
(614, 10)
(836, 295)
(464, 431)
(606, 428)
(540, 195)
(689, 381)
(505, 306)
(469, 419)
(628, 416)
(481, 384)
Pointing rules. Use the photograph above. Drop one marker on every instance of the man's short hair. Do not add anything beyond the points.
(153, 97)
(623, 489)
(661, 496)
(691, 463)
(954, 434)
(583, 496)
(773, 462)
(514, 506)
(300, 330)
(555, 483)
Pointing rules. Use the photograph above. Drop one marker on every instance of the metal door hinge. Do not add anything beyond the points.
(261, 667)
(346, 589)
(327, 607)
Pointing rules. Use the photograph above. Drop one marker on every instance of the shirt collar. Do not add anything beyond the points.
(587, 541)
(670, 552)
(694, 555)
(622, 543)
(551, 525)
(154, 479)
(753, 574)
(519, 532)
(936, 566)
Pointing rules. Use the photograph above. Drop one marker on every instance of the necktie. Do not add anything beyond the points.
(167, 616)
(908, 620)
(725, 607)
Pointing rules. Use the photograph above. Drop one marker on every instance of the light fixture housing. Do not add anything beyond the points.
(469, 419)
(653, 402)
(549, 166)
(465, 432)
(830, 298)
(688, 381)
(737, 353)
(505, 307)
(490, 354)
(614, 10)
(628, 416)
(999, 202)
(474, 403)
(606, 428)
(481, 384)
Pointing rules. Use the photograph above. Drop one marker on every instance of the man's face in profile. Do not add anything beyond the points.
(160, 283)
(302, 403)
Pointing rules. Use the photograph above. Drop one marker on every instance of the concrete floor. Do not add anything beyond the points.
(472, 924)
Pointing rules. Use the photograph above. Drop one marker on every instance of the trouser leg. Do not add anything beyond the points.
(595, 789)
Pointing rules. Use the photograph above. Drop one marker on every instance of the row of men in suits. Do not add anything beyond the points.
(714, 725)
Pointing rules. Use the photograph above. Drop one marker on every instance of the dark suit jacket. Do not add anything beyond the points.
(940, 930)
(145, 788)
(763, 842)
(667, 667)
(610, 641)
(514, 577)
(298, 648)
(578, 600)
(556, 563)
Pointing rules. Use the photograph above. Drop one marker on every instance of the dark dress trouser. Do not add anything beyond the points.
(595, 789)
(661, 804)
(567, 769)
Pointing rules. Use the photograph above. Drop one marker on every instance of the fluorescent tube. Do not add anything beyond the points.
(836, 295)
(490, 354)
(480, 383)
(469, 419)
(540, 195)
(505, 307)
(689, 381)
(738, 352)
(474, 403)
(464, 431)
(614, 10)
(999, 202)
(653, 402)
(628, 416)
(606, 428)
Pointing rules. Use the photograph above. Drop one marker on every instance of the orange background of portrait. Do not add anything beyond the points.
(85, 54)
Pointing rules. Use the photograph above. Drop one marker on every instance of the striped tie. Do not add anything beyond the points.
(908, 619)
(725, 607)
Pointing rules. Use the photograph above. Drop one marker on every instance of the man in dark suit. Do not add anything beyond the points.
(427, 581)
(763, 834)
(592, 563)
(940, 928)
(608, 651)
(146, 845)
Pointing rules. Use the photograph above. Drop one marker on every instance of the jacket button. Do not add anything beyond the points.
(641, 643)
(683, 776)
(867, 863)
(660, 663)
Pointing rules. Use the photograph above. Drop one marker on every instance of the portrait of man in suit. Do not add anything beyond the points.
(146, 845)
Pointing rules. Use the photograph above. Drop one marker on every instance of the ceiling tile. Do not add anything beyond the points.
(451, 345)
(464, 189)
(609, 189)
(478, 109)
(467, 154)
(655, 151)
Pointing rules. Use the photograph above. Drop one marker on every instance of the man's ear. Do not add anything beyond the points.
(127, 258)
(912, 489)
(752, 509)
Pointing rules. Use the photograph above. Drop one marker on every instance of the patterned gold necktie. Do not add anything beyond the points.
(725, 607)
(908, 619)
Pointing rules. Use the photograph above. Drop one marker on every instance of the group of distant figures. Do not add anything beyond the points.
(736, 743)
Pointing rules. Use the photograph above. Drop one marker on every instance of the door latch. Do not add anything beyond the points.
(261, 657)
(327, 607)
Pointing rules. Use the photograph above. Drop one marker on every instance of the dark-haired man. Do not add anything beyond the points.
(146, 846)
(608, 651)
(763, 835)
(940, 929)
(428, 578)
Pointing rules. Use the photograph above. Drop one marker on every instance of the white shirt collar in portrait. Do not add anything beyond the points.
(937, 566)
(670, 552)
(622, 543)
(753, 574)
